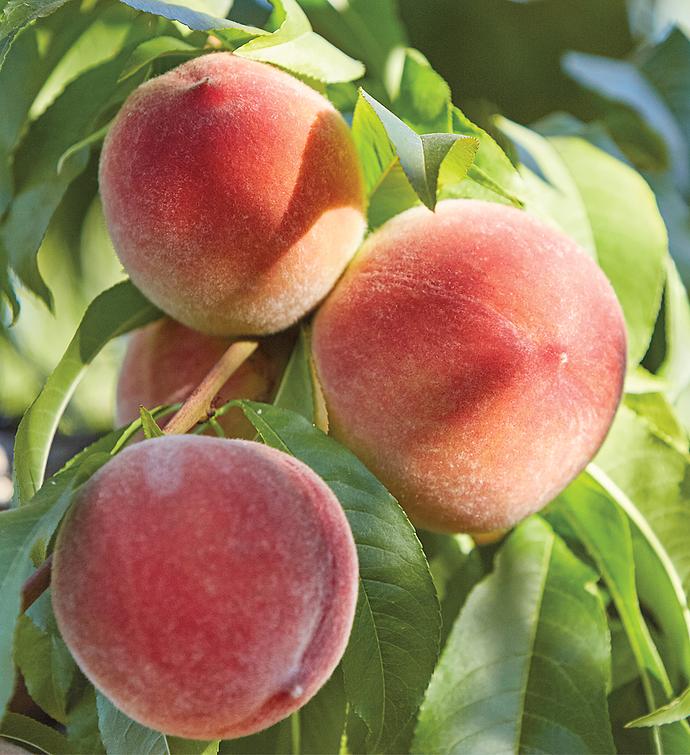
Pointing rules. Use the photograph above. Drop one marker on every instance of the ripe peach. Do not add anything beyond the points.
(165, 362)
(233, 194)
(473, 358)
(206, 586)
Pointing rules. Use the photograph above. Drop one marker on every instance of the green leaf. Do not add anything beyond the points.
(394, 641)
(667, 67)
(39, 186)
(456, 567)
(195, 19)
(380, 135)
(35, 734)
(96, 138)
(115, 312)
(306, 54)
(676, 710)
(122, 735)
(601, 525)
(293, 45)
(621, 81)
(629, 234)
(658, 412)
(30, 62)
(556, 196)
(82, 720)
(296, 390)
(149, 424)
(492, 167)
(371, 31)
(152, 49)
(653, 486)
(7, 293)
(20, 13)
(526, 667)
(315, 729)
(21, 530)
(423, 102)
(675, 369)
(423, 99)
(177, 746)
(43, 659)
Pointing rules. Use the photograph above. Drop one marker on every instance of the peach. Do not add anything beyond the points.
(165, 361)
(473, 358)
(232, 193)
(206, 586)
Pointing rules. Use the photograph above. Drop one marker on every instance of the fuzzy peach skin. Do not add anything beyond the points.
(165, 361)
(473, 358)
(206, 586)
(232, 193)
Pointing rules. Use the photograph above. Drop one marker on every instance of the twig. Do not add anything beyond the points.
(197, 406)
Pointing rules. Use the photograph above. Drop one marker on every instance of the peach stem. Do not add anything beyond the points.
(37, 583)
(196, 408)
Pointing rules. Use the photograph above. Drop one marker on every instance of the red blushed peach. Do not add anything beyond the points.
(473, 358)
(206, 586)
(165, 361)
(233, 194)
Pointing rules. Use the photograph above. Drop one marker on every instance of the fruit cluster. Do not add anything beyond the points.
(472, 357)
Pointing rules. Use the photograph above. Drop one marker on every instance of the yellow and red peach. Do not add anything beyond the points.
(473, 358)
(206, 586)
(165, 361)
(232, 193)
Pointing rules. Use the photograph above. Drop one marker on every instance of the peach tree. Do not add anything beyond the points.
(446, 370)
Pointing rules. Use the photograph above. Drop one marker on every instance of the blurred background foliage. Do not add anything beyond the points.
(614, 72)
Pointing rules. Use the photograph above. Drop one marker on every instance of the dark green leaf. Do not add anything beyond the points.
(20, 13)
(315, 729)
(620, 80)
(43, 659)
(27, 731)
(602, 527)
(394, 641)
(29, 63)
(82, 721)
(152, 49)
(296, 390)
(667, 67)
(113, 313)
(39, 186)
(96, 138)
(21, 530)
(526, 667)
(122, 735)
(456, 567)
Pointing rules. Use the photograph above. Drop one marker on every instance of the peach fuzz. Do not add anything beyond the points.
(165, 361)
(233, 194)
(474, 359)
(206, 586)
